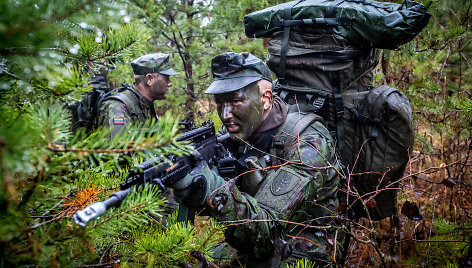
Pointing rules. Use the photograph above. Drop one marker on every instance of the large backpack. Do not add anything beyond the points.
(323, 69)
(84, 113)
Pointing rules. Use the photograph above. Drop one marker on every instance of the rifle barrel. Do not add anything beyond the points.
(97, 209)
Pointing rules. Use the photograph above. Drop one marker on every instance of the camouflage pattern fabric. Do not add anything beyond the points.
(152, 63)
(293, 213)
(125, 107)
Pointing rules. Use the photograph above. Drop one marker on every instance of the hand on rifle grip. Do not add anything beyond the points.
(191, 189)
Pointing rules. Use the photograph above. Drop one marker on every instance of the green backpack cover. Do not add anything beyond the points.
(363, 22)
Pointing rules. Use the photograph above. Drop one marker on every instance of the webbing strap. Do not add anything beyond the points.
(314, 22)
(315, 97)
(283, 52)
(318, 103)
(331, 10)
(295, 124)
(339, 109)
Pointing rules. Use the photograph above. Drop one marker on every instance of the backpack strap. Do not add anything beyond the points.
(283, 52)
(295, 124)
(339, 116)
(128, 101)
(331, 10)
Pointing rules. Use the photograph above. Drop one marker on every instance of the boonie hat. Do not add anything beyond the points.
(233, 71)
(152, 63)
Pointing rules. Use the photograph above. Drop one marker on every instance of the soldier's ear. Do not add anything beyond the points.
(267, 99)
(265, 89)
(148, 79)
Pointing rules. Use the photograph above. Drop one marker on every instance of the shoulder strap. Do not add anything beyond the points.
(295, 124)
(127, 100)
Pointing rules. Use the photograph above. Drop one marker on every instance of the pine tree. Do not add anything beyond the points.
(50, 51)
(193, 32)
(434, 70)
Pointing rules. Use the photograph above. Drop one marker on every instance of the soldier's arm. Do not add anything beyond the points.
(258, 222)
(114, 114)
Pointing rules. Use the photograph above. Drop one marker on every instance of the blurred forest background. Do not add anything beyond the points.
(49, 50)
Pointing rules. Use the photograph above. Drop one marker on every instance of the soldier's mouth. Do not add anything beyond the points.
(232, 128)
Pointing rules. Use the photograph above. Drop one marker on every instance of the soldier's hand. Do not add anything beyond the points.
(193, 189)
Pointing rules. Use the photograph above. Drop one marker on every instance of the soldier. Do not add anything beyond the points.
(151, 76)
(283, 205)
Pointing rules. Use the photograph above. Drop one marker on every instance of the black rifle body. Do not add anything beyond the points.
(166, 173)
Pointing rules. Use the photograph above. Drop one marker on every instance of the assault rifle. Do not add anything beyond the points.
(164, 174)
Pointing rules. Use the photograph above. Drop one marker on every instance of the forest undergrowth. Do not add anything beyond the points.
(434, 222)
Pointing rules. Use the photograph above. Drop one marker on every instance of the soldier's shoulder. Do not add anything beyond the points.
(304, 123)
(112, 107)
(124, 97)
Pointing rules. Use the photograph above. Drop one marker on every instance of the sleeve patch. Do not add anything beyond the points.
(282, 189)
(118, 121)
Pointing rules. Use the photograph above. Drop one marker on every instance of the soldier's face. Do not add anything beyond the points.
(160, 84)
(241, 111)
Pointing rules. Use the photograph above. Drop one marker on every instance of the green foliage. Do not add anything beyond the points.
(121, 43)
(465, 107)
(303, 263)
(441, 252)
(99, 177)
(170, 246)
(158, 246)
(27, 135)
(35, 43)
(444, 227)
(50, 50)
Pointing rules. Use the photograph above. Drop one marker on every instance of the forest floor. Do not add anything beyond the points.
(440, 233)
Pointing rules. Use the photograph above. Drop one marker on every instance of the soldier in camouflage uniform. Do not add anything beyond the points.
(151, 75)
(283, 205)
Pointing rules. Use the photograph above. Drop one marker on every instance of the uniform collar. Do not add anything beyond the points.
(143, 99)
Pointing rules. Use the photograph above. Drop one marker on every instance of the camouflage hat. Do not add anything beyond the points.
(233, 71)
(152, 63)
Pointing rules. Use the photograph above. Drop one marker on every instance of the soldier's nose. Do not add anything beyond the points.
(227, 111)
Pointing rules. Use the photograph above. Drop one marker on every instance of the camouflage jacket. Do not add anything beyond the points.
(125, 107)
(285, 206)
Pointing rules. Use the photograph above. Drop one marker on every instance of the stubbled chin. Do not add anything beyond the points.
(234, 136)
